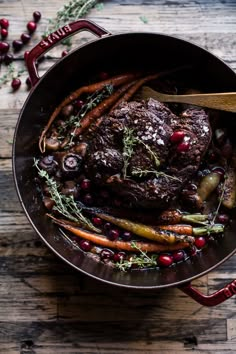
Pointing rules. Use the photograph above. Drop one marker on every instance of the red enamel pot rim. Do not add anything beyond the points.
(57, 83)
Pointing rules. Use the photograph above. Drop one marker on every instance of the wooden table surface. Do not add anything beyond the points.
(45, 306)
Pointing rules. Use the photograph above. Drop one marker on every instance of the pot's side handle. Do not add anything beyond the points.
(210, 300)
(54, 38)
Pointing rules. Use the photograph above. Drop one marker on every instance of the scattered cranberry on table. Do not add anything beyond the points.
(4, 33)
(4, 47)
(37, 16)
(4, 23)
(8, 59)
(25, 37)
(64, 53)
(15, 84)
(17, 44)
(31, 26)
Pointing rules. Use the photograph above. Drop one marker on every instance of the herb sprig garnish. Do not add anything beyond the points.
(11, 73)
(129, 142)
(141, 261)
(68, 13)
(92, 102)
(65, 205)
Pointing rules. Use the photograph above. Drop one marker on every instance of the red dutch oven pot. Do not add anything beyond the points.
(116, 54)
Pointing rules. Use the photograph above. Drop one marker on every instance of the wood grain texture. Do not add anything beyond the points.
(45, 306)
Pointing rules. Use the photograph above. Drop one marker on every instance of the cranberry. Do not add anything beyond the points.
(200, 242)
(177, 136)
(79, 104)
(165, 260)
(106, 254)
(17, 44)
(85, 245)
(36, 16)
(178, 255)
(28, 82)
(25, 37)
(103, 75)
(26, 53)
(4, 47)
(88, 199)
(107, 226)
(113, 234)
(85, 184)
(183, 147)
(15, 84)
(97, 221)
(4, 23)
(8, 59)
(4, 33)
(219, 170)
(64, 53)
(31, 26)
(192, 251)
(223, 218)
(118, 257)
(126, 235)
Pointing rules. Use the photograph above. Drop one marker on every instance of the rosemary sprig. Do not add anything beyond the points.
(65, 205)
(69, 12)
(141, 261)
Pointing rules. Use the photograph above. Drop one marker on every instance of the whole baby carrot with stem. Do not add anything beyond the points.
(193, 231)
(115, 81)
(103, 241)
(160, 236)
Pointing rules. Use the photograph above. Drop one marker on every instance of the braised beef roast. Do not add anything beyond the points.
(158, 166)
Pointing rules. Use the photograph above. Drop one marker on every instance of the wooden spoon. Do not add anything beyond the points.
(223, 101)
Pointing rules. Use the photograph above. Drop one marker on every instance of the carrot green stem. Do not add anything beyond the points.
(207, 230)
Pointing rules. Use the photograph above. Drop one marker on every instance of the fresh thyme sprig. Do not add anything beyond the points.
(143, 173)
(69, 12)
(11, 73)
(129, 142)
(141, 261)
(92, 101)
(65, 205)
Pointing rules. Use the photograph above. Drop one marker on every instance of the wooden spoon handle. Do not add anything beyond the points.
(222, 101)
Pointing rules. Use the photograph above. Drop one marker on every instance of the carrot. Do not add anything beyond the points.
(114, 81)
(100, 109)
(160, 236)
(129, 94)
(178, 228)
(193, 231)
(102, 240)
(175, 217)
